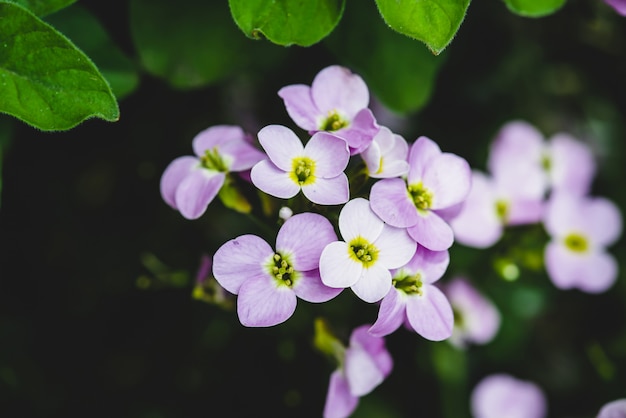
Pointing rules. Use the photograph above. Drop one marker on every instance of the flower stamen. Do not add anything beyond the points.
(422, 197)
(576, 242)
(333, 122)
(409, 284)
(363, 251)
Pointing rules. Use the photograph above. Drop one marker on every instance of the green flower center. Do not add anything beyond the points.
(333, 122)
(458, 318)
(409, 284)
(213, 161)
(422, 197)
(303, 171)
(546, 162)
(576, 242)
(362, 250)
(502, 210)
(280, 267)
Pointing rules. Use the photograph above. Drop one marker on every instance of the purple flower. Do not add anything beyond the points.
(436, 181)
(476, 318)
(614, 409)
(370, 249)
(618, 5)
(269, 281)
(386, 156)
(504, 396)
(414, 299)
(190, 183)
(316, 169)
(580, 229)
(364, 365)
(336, 102)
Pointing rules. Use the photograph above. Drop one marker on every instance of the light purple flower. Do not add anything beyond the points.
(336, 102)
(269, 281)
(363, 366)
(618, 5)
(371, 248)
(190, 183)
(387, 155)
(581, 228)
(316, 169)
(614, 409)
(476, 318)
(415, 300)
(504, 396)
(436, 181)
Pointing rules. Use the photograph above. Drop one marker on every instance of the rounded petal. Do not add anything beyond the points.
(300, 106)
(243, 156)
(432, 232)
(309, 287)
(525, 212)
(264, 303)
(390, 200)
(516, 142)
(273, 181)
(330, 154)
(449, 178)
(216, 136)
(390, 315)
(375, 346)
(572, 164)
(239, 259)
(196, 191)
(330, 191)
(421, 153)
(431, 264)
(360, 133)
(430, 314)
(357, 219)
(362, 372)
(604, 221)
(337, 268)
(617, 408)
(281, 145)
(396, 247)
(294, 238)
(336, 88)
(340, 403)
(173, 175)
(373, 284)
(501, 395)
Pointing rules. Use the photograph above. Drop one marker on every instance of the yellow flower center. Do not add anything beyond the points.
(576, 242)
(363, 251)
(303, 171)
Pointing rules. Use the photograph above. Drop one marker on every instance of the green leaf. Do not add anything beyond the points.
(287, 22)
(398, 70)
(434, 22)
(85, 30)
(43, 7)
(534, 8)
(44, 79)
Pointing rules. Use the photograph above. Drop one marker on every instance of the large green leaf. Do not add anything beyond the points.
(45, 80)
(287, 22)
(434, 22)
(400, 71)
(534, 8)
(87, 33)
(43, 7)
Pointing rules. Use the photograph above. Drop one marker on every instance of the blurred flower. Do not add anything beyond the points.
(476, 319)
(618, 5)
(614, 409)
(580, 229)
(268, 282)
(316, 169)
(207, 289)
(370, 249)
(414, 299)
(436, 181)
(190, 183)
(363, 365)
(336, 102)
(386, 156)
(504, 396)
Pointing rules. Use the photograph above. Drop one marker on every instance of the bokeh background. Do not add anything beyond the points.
(97, 273)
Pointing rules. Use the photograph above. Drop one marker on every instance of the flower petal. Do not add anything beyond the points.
(331, 191)
(281, 145)
(300, 106)
(431, 264)
(239, 259)
(390, 200)
(173, 175)
(215, 137)
(502, 395)
(273, 181)
(360, 133)
(572, 165)
(390, 315)
(616, 408)
(357, 219)
(604, 221)
(295, 237)
(449, 178)
(430, 314)
(517, 142)
(197, 190)
(373, 284)
(336, 88)
(362, 372)
(264, 303)
(340, 403)
(375, 346)
(396, 247)
(329, 152)
(337, 268)
(309, 287)
(432, 232)
(421, 153)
